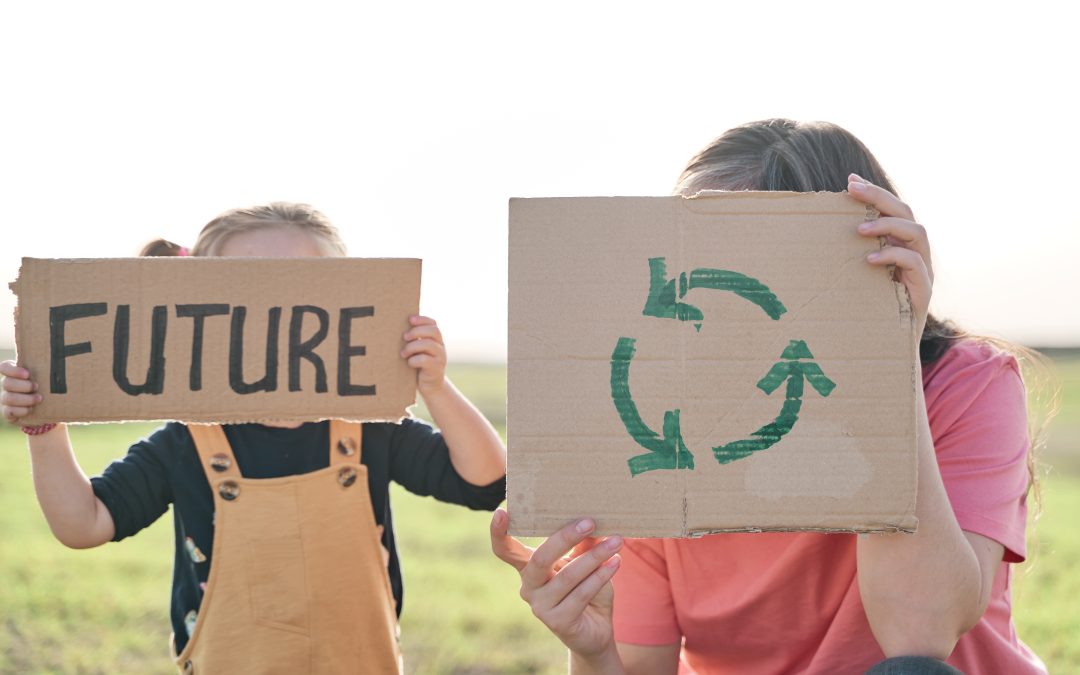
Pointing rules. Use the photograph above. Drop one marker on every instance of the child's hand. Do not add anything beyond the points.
(424, 350)
(19, 392)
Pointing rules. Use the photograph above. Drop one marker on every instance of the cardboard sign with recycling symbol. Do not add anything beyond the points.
(723, 363)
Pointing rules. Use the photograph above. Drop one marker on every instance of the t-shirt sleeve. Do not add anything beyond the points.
(136, 488)
(976, 404)
(644, 611)
(420, 462)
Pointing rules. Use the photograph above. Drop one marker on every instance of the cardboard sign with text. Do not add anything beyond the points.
(217, 339)
(728, 362)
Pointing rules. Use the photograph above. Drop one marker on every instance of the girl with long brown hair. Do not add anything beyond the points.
(810, 602)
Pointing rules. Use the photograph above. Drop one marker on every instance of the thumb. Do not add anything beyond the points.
(506, 548)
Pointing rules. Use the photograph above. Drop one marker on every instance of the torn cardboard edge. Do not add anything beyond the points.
(216, 340)
(567, 238)
(906, 527)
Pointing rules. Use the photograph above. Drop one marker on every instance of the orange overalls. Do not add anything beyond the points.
(298, 582)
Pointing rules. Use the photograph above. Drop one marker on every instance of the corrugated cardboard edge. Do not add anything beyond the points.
(364, 420)
(909, 522)
(905, 527)
(239, 420)
(13, 286)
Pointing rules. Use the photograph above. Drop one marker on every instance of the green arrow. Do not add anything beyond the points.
(668, 452)
(663, 303)
(793, 371)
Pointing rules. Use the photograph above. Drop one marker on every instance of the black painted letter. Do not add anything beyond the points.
(236, 352)
(155, 371)
(199, 314)
(306, 349)
(346, 350)
(58, 351)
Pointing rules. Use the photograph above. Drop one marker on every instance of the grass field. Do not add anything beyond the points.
(105, 610)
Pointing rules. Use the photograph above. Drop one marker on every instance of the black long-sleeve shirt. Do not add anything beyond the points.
(165, 469)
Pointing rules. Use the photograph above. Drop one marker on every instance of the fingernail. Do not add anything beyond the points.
(856, 187)
(38, 398)
(584, 525)
(864, 227)
(498, 518)
(873, 257)
(613, 561)
(35, 387)
(613, 542)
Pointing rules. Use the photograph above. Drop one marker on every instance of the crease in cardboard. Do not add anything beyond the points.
(728, 412)
(858, 258)
(682, 366)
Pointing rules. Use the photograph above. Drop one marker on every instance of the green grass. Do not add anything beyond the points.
(1046, 588)
(106, 610)
(1063, 448)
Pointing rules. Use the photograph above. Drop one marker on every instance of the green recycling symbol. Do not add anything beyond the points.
(667, 450)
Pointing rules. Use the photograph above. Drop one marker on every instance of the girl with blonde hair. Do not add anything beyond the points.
(285, 557)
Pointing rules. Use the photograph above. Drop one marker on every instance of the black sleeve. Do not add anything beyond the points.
(420, 462)
(136, 488)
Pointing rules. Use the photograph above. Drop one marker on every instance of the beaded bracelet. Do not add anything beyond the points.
(39, 429)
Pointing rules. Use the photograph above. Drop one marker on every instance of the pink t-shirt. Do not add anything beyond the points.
(789, 602)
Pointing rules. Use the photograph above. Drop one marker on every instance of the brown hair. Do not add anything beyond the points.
(274, 214)
(784, 155)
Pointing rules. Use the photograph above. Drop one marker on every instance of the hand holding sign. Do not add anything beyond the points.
(19, 392)
(425, 351)
(908, 249)
(573, 597)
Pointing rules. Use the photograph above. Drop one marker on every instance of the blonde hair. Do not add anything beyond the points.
(162, 248)
(275, 214)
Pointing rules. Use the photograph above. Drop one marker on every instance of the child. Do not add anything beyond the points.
(278, 565)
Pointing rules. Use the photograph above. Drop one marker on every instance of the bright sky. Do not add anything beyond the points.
(412, 125)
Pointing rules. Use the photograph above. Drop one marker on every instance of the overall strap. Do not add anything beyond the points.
(346, 442)
(215, 453)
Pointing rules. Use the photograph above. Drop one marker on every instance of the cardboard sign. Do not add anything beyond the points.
(216, 339)
(723, 363)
